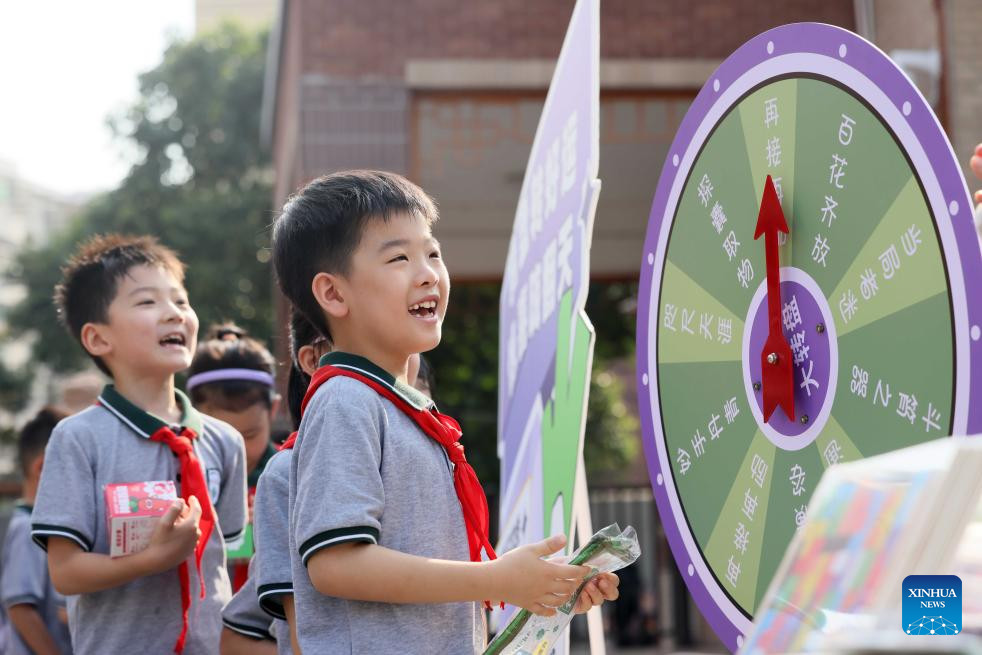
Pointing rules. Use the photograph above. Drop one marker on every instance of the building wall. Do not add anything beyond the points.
(355, 38)
(423, 88)
(963, 59)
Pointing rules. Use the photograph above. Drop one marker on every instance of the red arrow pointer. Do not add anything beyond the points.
(775, 358)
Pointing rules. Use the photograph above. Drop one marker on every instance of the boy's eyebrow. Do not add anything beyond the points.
(154, 290)
(393, 243)
(142, 289)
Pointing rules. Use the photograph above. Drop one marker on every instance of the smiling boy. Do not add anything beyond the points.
(387, 520)
(123, 298)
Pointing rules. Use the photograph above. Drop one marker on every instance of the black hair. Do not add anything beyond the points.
(427, 375)
(90, 278)
(302, 333)
(228, 346)
(35, 434)
(321, 226)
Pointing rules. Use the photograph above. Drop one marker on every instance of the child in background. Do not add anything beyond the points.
(231, 379)
(246, 628)
(386, 551)
(123, 299)
(274, 576)
(34, 608)
(260, 607)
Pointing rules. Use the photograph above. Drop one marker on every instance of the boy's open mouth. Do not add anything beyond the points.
(425, 309)
(174, 339)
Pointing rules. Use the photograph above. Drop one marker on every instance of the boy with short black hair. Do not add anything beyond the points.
(386, 550)
(123, 298)
(33, 606)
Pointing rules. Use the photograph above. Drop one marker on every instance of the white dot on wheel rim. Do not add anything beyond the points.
(651, 258)
(715, 85)
(660, 480)
(953, 207)
(644, 379)
(906, 108)
(675, 160)
(691, 570)
(739, 641)
(770, 47)
(842, 50)
(976, 332)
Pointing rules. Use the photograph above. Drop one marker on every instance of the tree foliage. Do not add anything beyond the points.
(200, 183)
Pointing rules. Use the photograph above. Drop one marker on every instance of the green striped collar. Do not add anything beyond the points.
(145, 423)
(253, 478)
(365, 367)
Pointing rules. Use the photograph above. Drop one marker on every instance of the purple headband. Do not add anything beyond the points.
(222, 374)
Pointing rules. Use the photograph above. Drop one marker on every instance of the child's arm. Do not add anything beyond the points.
(75, 571)
(374, 573)
(32, 630)
(234, 643)
(291, 618)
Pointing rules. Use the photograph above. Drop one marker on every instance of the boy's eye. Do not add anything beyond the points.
(145, 301)
(435, 254)
(399, 258)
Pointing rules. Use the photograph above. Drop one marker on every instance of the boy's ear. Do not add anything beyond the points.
(327, 292)
(307, 358)
(94, 339)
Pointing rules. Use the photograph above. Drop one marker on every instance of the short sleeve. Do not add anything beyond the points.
(24, 576)
(271, 515)
(339, 492)
(242, 614)
(232, 502)
(65, 503)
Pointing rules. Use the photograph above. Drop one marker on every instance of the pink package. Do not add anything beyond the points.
(132, 510)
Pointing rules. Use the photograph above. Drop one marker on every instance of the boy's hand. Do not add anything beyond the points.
(602, 587)
(522, 578)
(176, 534)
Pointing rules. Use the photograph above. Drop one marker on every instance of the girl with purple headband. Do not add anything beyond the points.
(231, 378)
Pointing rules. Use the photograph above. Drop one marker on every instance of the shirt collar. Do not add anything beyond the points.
(369, 369)
(253, 478)
(142, 422)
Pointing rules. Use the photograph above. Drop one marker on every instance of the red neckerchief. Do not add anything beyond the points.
(192, 484)
(445, 431)
(290, 441)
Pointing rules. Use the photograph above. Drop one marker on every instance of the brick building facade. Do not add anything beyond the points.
(450, 93)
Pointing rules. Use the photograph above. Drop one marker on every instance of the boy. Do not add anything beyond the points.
(34, 607)
(123, 299)
(386, 550)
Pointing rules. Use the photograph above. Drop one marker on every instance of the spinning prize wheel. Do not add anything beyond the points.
(810, 294)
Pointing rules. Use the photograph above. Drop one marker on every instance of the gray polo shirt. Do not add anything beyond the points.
(25, 581)
(363, 471)
(271, 518)
(109, 443)
(243, 614)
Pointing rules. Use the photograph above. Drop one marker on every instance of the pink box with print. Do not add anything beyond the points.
(132, 511)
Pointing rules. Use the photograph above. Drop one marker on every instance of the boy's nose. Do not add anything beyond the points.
(429, 275)
(174, 313)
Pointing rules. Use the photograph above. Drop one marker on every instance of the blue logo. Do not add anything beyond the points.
(932, 604)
